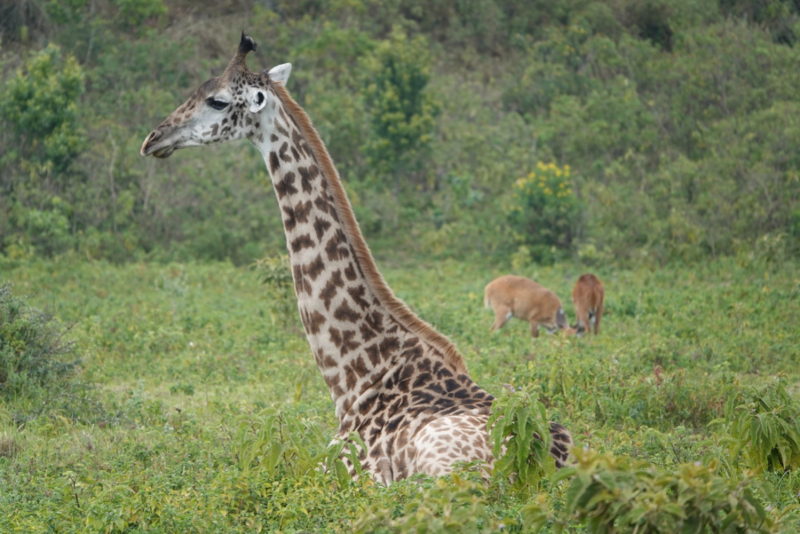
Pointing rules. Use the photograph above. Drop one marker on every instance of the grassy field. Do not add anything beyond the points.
(189, 364)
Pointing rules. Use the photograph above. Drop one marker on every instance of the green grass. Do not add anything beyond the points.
(183, 355)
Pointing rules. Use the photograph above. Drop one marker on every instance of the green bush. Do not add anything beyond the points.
(33, 355)
(132, 13)
(544, 211)
(674, 116)
(39, 111)
(269, 441)
(275, 273)
(453, 504)
(611, 494)
(519, 424)
(617, 395)
(40, 106)
(763, 424)
(402, 111)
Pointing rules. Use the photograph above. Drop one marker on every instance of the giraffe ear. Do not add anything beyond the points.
(257, 100)
(280, 73)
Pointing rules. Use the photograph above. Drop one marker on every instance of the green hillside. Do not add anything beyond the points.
(678, 120)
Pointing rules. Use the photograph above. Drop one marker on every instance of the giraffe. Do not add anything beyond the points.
(397, 382)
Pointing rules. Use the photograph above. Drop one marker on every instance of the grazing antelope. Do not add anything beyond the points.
(514, 296)
(588, 300)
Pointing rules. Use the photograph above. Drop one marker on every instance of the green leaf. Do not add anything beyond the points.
(633, 516)
(342, 475)
(576, 491)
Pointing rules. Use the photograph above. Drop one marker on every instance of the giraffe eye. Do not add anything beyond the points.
(217, 104)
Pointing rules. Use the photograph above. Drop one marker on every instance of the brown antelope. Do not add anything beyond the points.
(588, 300)
(514, 296)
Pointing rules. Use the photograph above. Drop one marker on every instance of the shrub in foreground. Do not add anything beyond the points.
(763, 425)
(453, 504)
(33, 356)
(610, 494)
(519, 425)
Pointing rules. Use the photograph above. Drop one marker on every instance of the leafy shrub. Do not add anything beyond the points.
(132, 13)
(275, 273)
(45, 231)
(553, 71)
(39, 112)
(40, 105)
(454, 504)
(659, 399)
(764, 425)
(33, 356)
(352, 449)
(519, 424)
(270, 440)
(402, 111)
(611, 494)
(794, 227)
(544, 210)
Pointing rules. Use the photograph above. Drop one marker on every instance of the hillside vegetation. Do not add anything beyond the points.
(675, 123)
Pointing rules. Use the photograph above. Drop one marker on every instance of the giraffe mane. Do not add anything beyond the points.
(399, 310)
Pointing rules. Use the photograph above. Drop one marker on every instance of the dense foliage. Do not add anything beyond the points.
(764, 426)
(544, 211)
(520, 437)
(678, 120)
(610, 495)
(34, 360)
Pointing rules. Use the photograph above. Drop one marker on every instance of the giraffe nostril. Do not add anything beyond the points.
(150, 140)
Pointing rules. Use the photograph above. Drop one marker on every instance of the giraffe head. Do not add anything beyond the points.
(224, 108)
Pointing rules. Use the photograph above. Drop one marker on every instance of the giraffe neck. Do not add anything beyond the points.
(360, 333)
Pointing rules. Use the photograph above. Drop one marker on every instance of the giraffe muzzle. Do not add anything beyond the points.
(150, 146)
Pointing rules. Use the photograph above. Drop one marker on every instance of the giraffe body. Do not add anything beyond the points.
(393, 379)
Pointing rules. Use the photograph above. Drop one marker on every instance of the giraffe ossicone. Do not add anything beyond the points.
(395, 380)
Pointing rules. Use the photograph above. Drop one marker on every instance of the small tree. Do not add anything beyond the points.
(33, 357)
(275, 273)
(763, 425)
(613, 494)
(452, 505)
(40, 105)
(519, 424)
(543, 212)
(402, 112)
(39, 109)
